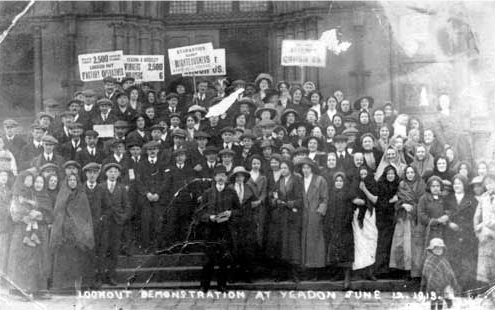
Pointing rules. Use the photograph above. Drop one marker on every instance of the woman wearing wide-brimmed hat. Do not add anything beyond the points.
(244, 225)
(263, 82)
(315, 199)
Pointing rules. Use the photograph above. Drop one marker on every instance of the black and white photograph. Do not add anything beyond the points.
(259, 154)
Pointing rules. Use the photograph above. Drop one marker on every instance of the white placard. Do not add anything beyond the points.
(145, 68)
(219, 69)
(191, 58)
(104, 131)
(97, 66)
(305, 53)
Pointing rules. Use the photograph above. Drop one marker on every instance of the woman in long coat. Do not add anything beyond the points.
(407, 246)
(72, 239)
(315, 199)
(460, 239)
(259, 184)
(27, 266)
(338, 222)
(385, 210)
(284, 241)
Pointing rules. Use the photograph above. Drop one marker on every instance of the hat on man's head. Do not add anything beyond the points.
(300, 150)
(156, 127)
(112, 165)
(267, 123)
(104, 101)
(210, 149)
(227, 129)
(220, 169)
(247, 101)
(120, 124)
(89, 93)
(340, 138)
(47, 139)
(266, 143)
(67, 113)
(37, 126)
(91, 133)
(128, 78)
(179, 151)
(109, 79)
(181, 133)
(151, 144)
(350, 132)
(226, 152)
(120, 94)
(44, 114)
(172, 115)
(436, 242)
(172, 95)
(201, 134)
(197, 108)
(75, 125)
(91, 166)
(116, 142)
(132, 143)
(266, 107)
(248, 133)
(10, 123)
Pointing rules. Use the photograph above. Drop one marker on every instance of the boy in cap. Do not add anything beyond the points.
(119, 133)
(115, 208)
(33, 148)
(91, 152)
(70, 148)
(219, 205)
(210, 153)
(179, 139)
(127, 82)
(109, 87)
(104, 117)
(89, 108)
(48, 155)
(119, 156)
(150, 176)
(133, 225)
(62, 134)
(179, 213)
(13, 142)
(94, 194)
(344, 159)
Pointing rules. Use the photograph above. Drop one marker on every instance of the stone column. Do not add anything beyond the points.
(359, 73)
(280, 27)
(290, 72)
(71, 81)
(312, 34)
(300, 35)
(132, 47)
(119, 37)
(37, 31)
(144, 40)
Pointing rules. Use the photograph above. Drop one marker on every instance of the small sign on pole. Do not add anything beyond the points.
(191, 58)
(219, 68)
(97, 66)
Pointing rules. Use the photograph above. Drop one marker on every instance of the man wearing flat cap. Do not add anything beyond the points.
(48, 155)
(203, 94)
(119, 133)
(344, 159)
(267, 127)
(75, 144)
(89, 109)
(197, 158)
(180, 207)
(173, 105)
(13, 142)
(62, 133)
(104, 117)
(228, 134)
(118, 155)
(127, 82)
(33, 148)
(109, 87)
(92, 152)
(178, 141)
(115, 208)
(150, 176)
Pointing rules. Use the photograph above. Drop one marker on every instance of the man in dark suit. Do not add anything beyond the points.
(13, 142)
(197, 158)
(110, 88)
(344, 159)
(179, 138)
(119, 130)
(62, 133)
(211, 154)
(91, 152)
(203, 96)
(115, 208)
(219, 205)
(228, 134)
(48, 155)
(104, 117)
(94, 194)
(119, 156)
(33, 148)
(178, 205)
(150, 184)
(133, 224)
(89, 109)
(173, 106)
(70, 148)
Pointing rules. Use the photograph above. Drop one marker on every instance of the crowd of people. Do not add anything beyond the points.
(312, 186)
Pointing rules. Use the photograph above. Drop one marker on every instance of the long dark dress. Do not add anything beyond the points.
(6, 226)
(338, 223)
(462, 245)
(27, 266)
(72, 240)
(385, 220)
(284, 238)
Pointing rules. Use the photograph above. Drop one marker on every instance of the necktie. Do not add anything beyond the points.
(135, 159)
(92, 152)
(173, 110)
(112, 187)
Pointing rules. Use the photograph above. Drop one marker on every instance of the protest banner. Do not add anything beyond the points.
(104, 131)
(145, 68)
(97, 66)
(304, 53)
(219, 69)
(191, 58)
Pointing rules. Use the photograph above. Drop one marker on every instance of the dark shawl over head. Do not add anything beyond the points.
(387, 189)
(425, 166)
(19, 188)
(410, 192)
(44, 203)
(73, 206)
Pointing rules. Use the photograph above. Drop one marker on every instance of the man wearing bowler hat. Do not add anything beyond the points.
(344, 159)
(115, 209)
(150, 176)
(219, 205)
